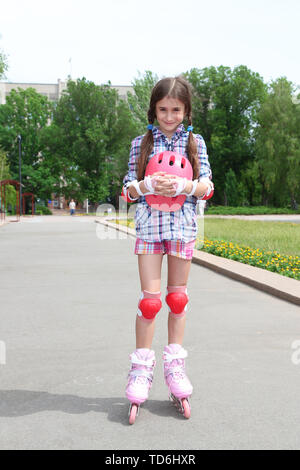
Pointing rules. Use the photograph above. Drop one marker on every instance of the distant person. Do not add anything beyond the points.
(72, 207)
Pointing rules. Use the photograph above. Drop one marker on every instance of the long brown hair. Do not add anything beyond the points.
(177, 88)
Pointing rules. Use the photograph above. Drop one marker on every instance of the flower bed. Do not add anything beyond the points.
(270, 260)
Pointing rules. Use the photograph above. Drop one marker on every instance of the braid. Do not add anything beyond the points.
(146, 147)
(192, 151)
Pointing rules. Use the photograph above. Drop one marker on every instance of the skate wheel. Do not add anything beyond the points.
(133, 411)
(186, 408)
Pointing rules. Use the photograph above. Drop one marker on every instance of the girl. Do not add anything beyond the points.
(159, 233)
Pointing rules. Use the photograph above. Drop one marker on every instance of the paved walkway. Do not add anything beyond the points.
(68, 301)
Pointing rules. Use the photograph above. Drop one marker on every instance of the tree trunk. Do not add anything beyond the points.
(264, 197)
(294, 204)
(225, 199)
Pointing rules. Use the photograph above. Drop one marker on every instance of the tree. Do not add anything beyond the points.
(88, 141)
(251, 179)
(231, 189)
(10, 191)
(225, 104)
(4, 167)
(278, 144)
(3, 65)
(25, 113)
(139, 101)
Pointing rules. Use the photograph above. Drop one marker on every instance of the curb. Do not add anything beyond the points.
(273, 283)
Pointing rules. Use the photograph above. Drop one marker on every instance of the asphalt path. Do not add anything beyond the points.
(68, 296)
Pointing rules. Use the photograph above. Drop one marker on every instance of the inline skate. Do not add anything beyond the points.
(180, 388)
(139, 380)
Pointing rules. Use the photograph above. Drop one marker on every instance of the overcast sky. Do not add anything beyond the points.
(115, 39)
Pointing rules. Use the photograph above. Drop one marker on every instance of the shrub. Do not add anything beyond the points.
(42, 210)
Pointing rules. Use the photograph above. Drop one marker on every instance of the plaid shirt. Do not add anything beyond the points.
(153, 225)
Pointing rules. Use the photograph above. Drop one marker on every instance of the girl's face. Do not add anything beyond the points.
(169, 114)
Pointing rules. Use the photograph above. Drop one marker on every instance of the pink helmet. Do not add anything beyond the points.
(174, 164)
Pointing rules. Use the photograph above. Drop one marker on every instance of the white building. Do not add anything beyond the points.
(53, 91)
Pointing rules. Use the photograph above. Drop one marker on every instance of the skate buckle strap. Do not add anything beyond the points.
(135, 360)
(182, 354)
(141, 373)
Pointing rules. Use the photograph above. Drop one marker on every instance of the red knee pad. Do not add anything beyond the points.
(177, 300)
(149, 305)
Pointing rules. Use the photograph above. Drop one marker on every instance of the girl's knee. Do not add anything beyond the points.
(149, 305)
(177, 299)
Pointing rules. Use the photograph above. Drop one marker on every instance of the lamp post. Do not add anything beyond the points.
(20, 174)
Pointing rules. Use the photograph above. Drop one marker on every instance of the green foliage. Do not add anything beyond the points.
(4, 166)
(139, 101)
(231, 189)
(10, 192)
(79, 147)
(89, 140)
(225, 104)
(3, 65)
(277, 143)
(42, 210)
(25, 113)
(235, 191)
(10, 199)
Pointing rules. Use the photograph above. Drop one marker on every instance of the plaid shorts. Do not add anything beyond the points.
(171, 247)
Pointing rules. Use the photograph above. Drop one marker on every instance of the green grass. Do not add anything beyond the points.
(251, 210)
(274, 246)
(283, 237)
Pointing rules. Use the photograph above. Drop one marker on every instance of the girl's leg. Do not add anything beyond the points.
(150, 278)
(178, 273)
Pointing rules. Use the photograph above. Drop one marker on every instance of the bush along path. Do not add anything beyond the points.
(271, 260)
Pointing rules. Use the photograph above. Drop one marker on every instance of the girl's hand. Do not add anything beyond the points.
(165, 184)
(178, 183)
(149, 183)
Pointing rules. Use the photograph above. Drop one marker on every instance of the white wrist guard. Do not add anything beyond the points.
(195, 184)
(148, 182)
(210, 184)
(127, 193)
(137, 187)
(181, 184)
